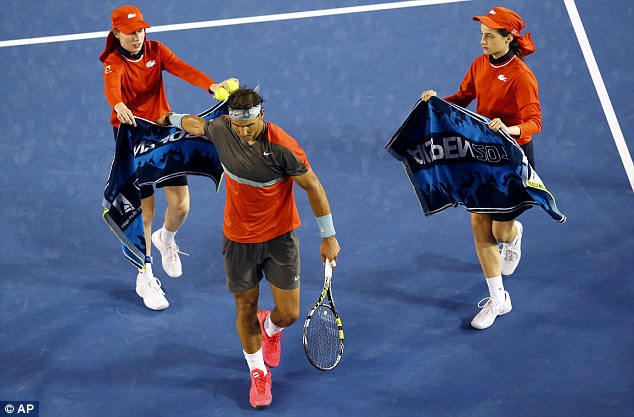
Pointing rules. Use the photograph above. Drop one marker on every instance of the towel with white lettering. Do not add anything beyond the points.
(146, 154)
(453, 158)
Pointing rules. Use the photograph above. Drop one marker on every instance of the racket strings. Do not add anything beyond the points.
(322, 336)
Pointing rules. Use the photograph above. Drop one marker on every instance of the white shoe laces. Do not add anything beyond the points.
(510, 256)
(490, 307)
(173, 251)
(155, 286)
(509, 250)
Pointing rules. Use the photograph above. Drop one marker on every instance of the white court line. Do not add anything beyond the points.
(238, 21)
(613, 122)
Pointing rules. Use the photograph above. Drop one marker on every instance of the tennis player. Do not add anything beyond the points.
(506, 92)
(133, 77)
(261, 164)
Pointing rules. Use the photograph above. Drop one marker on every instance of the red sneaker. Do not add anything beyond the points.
(260, 394)
(271, 345)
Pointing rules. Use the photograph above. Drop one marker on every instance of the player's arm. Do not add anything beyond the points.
(188, 122)
(309, 182)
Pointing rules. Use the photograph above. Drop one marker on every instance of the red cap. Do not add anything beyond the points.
(502, 18)
(128, 19)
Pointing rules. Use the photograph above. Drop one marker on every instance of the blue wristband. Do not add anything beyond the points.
(176, 119)
(326, 227)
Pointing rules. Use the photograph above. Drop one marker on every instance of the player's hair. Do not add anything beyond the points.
(514, 46)
(244, 98)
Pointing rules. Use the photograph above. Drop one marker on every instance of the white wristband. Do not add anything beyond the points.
(176, 119)
(326, 227)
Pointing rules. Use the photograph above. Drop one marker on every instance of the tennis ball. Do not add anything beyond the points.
(221, 94)
(233, 85)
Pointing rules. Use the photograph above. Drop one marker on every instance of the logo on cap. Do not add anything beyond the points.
(492, 11)
(131, 15)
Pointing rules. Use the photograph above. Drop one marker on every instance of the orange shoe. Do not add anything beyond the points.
(271, 345)
(260, 394)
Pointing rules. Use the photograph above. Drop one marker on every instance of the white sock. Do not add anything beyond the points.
(255, 361)
(270, 328)
(496, 288)
(147, 274)
(166, 236)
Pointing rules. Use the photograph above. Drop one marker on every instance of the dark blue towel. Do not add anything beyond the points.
(452, 157)
(146, 154)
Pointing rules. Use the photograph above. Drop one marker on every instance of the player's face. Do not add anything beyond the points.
(132, 42)
(493, 43)
(248, 130)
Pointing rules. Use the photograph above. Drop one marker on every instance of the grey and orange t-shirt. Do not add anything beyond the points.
(260, 204)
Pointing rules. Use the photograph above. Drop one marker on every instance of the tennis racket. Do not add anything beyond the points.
(323, 332)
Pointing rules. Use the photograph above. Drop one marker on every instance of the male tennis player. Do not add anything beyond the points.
(261, 163)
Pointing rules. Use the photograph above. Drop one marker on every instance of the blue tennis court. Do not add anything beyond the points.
(75, 337)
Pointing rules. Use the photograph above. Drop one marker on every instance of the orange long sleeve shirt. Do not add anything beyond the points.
(139, 83)
(507, 90)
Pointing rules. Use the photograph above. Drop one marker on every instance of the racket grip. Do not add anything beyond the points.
(328, 267)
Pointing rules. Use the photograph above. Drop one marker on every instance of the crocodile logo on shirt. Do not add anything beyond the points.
(502, 77)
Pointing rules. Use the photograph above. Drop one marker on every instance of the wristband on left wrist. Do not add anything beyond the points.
(326, 226)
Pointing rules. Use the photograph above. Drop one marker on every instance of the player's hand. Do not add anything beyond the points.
(124, 114)
(427, 94)
(329, 249)
(163, 121)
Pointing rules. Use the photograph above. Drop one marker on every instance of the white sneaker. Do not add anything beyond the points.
(490, 311)
(512, 252)
(169, 255)
(151, 292)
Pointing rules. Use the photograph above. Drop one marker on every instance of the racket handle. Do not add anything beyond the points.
(328, 267)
